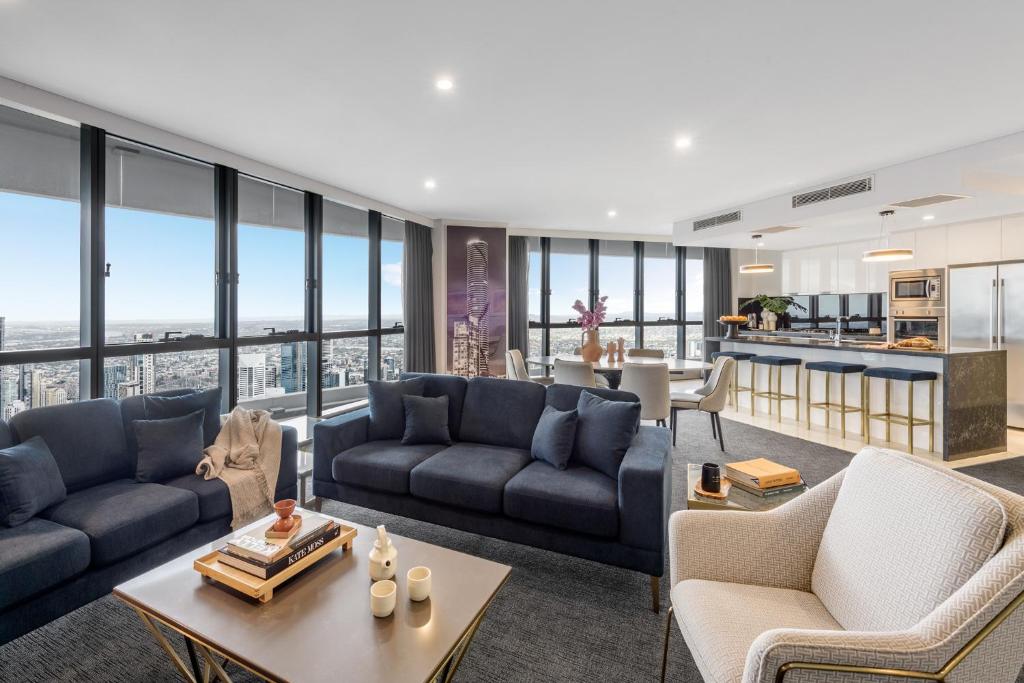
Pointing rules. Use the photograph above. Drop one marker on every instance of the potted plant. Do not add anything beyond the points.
(590, 321)
(777, 305)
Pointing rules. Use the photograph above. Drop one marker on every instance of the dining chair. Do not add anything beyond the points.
(578, 373)
(650, 382)
(710, 398)
(645, 353)
(517, 368)
(600, 379)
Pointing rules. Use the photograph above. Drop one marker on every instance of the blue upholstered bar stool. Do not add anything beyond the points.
(738, 356)
(889, 417)
(775, 394)
(833, 368)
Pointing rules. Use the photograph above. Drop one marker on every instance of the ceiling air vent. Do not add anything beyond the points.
(835, 192)
(928, 201)
(715, 221)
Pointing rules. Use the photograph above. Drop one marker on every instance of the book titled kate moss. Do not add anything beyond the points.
(265, 570)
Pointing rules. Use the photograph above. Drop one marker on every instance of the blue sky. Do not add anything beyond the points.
(162, 267)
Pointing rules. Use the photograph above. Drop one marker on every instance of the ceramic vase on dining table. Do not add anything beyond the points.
(591, 349)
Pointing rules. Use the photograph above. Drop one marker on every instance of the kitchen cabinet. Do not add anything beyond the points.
(977, 242)
(1013, 238)
(931, 247)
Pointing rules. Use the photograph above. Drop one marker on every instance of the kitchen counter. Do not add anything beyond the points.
(861, 346)
(970, 392)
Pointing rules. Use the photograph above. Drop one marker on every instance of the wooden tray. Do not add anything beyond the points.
(725, 487)
(270, 533)
(263, 589)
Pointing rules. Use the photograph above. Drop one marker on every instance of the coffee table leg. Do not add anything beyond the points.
(448, 670)
(213, 665)
(162, 641)
(196, 671)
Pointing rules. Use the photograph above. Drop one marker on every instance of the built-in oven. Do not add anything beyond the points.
(916, 286)
(909, 327)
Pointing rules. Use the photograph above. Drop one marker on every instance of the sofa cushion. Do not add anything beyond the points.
(938, 531)
(720, 621)
(469, 475)
(37, 555)
(134, 408)
(575, 499)
(567, 396)
(160, 407)
(213, 495)
(426, 420)
(86, 439)
(605, 430)
(555, 436)
(168, 448)
(123, 517)
(29, 481)
(381, 465)
(501, 412)
(387, 414)
(452, 386)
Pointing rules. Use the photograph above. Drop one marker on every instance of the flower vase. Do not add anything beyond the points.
(591, 349)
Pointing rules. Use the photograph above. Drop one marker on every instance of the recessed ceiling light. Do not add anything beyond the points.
(429, 183)
(683, 142)
(612, 213)
(444, 83)
(929, 217)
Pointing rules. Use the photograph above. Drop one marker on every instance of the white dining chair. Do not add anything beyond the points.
(601, 380)
(516, 368)
(645, 353)
(710, 398)
(578, 373)
(650, 382)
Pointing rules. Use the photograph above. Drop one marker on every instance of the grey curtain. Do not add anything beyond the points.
(418, 298)
(717, 294)
(518, 294)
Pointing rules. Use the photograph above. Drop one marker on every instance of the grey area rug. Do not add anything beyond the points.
(557, 619)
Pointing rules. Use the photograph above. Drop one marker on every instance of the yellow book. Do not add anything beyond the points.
(761, 473)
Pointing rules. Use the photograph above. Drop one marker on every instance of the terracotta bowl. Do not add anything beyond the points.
(284, 510)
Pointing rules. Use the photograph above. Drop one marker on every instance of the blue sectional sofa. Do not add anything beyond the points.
(109, 528)
(487, 483)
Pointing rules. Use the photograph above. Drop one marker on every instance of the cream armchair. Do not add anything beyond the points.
(894, 569)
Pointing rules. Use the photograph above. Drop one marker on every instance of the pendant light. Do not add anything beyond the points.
(884, 251)
(757, 267)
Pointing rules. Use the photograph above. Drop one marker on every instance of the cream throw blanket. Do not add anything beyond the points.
(247, 457)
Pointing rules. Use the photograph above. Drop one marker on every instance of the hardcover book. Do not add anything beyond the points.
(761, 473)
(265, 570)
(773, 491)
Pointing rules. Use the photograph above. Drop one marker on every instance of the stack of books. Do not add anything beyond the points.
(265, 557)
(762, 477)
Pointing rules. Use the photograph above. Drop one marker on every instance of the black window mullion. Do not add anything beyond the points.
(92, 195)
(373, 343)
(545, 295)
(226, 258)
(314, 214)
(594, 249)
(638, 293)
(680, 302)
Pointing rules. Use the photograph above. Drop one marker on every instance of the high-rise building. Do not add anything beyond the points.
(38, 388)
(252, 369)
(471, 339)
(293, 367)
(54, 396)
(3, 327)
(8, 392)
(113, 377)
(126, 389)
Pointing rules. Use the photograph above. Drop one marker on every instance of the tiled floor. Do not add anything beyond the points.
(853, 441)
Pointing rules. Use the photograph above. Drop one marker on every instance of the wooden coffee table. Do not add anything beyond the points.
(738, 499)
(318, 626)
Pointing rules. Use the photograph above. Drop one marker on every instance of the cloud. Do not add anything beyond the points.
(391, 273)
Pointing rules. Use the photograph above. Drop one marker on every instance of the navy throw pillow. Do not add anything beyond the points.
(168, 448)
(426, 420)
(30, 481)
(554, 437)
(605, 431)
(387, 413)
(160, 407)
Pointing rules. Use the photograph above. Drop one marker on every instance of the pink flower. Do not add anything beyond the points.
(591, 320)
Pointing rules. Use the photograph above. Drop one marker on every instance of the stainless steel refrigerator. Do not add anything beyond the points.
(986, 311)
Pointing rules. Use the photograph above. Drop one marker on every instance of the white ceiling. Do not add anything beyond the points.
(561, 110)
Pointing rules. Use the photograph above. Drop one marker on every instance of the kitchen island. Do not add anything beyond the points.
(970, 393)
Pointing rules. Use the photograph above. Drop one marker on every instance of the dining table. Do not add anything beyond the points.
(612, 369)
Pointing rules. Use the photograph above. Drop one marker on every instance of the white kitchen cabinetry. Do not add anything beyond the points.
(976, 242)
(1013, 238)
(930, 247)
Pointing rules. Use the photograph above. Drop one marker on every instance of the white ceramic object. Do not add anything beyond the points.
(382, 598)
(383, 556)
(418, 583)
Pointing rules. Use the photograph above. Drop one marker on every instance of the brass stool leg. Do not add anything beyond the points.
(796, 392)
(769, 392)
(807, 376)
(842, 403)
(865, 404)
(778, 395)
(888, 420)
(828, 400)
(910, 418)
(931, 416)
(753, 388)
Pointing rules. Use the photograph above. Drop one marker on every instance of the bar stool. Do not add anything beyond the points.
(829, 368)
(777, 395)
(889, 417)
(734, 395)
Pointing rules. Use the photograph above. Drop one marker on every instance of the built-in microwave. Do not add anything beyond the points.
(906, 286)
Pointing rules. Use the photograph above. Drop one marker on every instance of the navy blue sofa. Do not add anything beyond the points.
(487, 483)
(109, 528)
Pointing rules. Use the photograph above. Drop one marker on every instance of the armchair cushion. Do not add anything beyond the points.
(720, 621)
(936, 532)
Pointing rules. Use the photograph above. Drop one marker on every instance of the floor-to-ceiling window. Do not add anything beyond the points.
(616, 274)
(569, 273)
(660, 323)
(693, 296)
(535, 312)
(392, 330)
